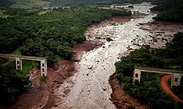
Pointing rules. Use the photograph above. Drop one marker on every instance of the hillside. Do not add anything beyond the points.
(5, 3)
(49, 34)
(93, 2)
(170, 10)
(148, 90)
(27, 4)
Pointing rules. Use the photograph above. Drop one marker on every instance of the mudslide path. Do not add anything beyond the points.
(89, 88)
(165, 87)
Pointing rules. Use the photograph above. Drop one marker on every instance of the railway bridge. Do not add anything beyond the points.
(176, 74)
(43, 61)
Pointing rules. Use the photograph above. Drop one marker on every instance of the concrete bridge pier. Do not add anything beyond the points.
(43, 68)
(18, 63)
(136, 75)
(19, 59)
(175, 80)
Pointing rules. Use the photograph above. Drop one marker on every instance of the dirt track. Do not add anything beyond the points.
(165, 87)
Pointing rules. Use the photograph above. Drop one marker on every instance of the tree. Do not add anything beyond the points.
(41, 79)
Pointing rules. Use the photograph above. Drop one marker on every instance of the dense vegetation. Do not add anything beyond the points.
(11, 85)
(171, 10)
(5, 3)
(50, 33)
(93, 2)
(26, 4)
(35, 4)
(148, 90)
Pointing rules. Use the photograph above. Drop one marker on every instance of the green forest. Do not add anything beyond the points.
(149, 90)
(50, 33)
(11, 85)
(94, 2)
(44, 33)
(171, 10)
(33, 4)
(5, 3)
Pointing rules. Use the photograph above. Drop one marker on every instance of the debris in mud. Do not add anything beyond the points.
(109, 39)
(104, 89)
(141, 23)
(129, 48)
(90, 67)
(66, 91)
(98, 38)
(130, 6)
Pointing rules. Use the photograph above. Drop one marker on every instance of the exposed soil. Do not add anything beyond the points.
(121, 99)
(111, 21)
(45, 97)
(164, 85)
(41, 96)
(79, 49)
(166, 26)
(91, 88)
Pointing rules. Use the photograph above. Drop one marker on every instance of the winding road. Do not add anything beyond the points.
(165, 87)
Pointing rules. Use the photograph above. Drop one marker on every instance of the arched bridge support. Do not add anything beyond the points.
(175, 80)
(18, 63)
(136, 75)
(176, 74)
(18, 58)
(43, 68)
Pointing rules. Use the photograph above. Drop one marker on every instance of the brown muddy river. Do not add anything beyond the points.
(89, 88)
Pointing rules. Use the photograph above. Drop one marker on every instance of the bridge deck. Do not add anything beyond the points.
(22, 57)
(157, 70)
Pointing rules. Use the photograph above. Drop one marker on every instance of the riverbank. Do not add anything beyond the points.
(91, 88)
(121, 99)
(118, 96)
(83, 81)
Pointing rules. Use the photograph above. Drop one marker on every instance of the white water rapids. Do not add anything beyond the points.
(89, 87)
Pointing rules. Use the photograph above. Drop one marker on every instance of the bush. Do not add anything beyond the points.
(52, 34)
(130, 107)
(11, 86)
(149, 90)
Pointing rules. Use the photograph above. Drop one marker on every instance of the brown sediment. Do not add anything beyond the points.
(43, 97)
(165, 26)
(66, 69)
(111, 21)
(121, 99)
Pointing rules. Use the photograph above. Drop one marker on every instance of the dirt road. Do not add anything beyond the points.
(164, 85)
